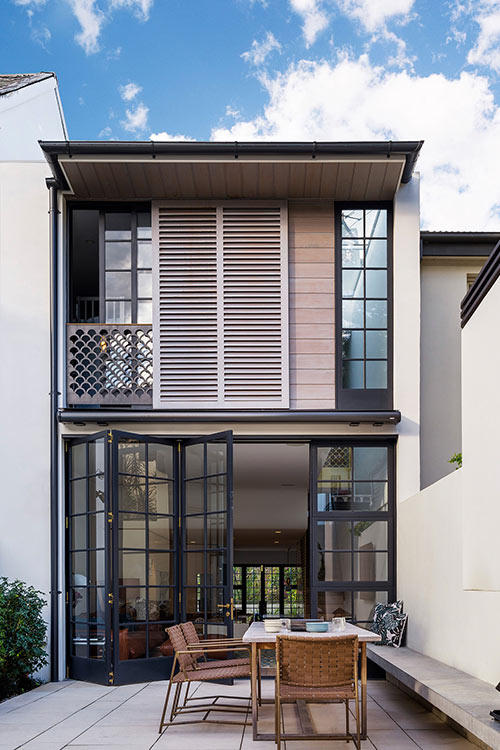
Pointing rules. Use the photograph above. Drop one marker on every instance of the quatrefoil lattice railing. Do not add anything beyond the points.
(109, 364)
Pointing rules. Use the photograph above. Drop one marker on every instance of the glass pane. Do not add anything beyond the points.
(118, 285)
(118, 312)
(160, 496)
(253, 589)
(334, 566)
(96, 493)
(352, 253)
(132, 569)
(194, 531)
(216, 568)
(216, 458)
(79, 640)
(195, 568)
(131, 493)
(96, 530)
(161, 569)
(352, 283)
(161, 606)
(131, 457)
(132, 603)
(96, 568)
(376, 283)
(144, 311)
(79, 460)
(79, 532)
(117, 226)
(376, 344)
(371, 495)
(97, 642)
(376, 254)
(352, 374)
(144, 284)
(97, 606)
(370, 535)
(334, 496)
(144, 225)
(79, 569)
(160, 461)
(215, 597)
(79, 604)
(352, 314)
(195, 606)
(144, 255)
(376, 223)
(194, 496)
(159, 645)
(334, 535)
(118, 255)
(132, 530)
(334, 604)
(376, 374)
(161, 532)
(216, 493)
(132, 642)
(352, 223)
(376, 314)
(334, 463)
(216, 530)
(353, 346)
(364, 603)
(370, 566)
(370, 462)
(194, 460)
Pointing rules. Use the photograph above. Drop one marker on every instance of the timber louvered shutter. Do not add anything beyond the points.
(221, 320)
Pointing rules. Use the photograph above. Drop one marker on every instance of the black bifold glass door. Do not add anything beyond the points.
(145, 550)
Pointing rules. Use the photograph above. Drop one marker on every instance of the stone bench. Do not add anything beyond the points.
(466, 700)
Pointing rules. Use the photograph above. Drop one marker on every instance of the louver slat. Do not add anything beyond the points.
(186, 338)
(221, 325)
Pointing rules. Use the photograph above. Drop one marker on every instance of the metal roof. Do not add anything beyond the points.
(10, 82)
(457, 244)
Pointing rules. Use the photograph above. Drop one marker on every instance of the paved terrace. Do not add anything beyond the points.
(84, 716)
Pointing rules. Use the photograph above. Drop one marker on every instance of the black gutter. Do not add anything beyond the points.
(82, 416)
(487, 277)
(457, 244)
(54, 149)
(54, 426)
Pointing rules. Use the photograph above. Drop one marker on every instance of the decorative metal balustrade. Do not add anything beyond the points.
(109, 364)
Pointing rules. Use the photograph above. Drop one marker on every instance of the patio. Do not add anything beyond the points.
(81, 715)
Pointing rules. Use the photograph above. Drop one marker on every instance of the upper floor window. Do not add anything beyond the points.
(363, 303)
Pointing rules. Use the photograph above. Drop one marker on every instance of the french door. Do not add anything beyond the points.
(149, 540)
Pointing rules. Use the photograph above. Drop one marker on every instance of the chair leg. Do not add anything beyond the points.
(259, 679)
(277, 708)
(186, 694)
(358, 722)
(175, 702)
(162, 720)
(347, 721)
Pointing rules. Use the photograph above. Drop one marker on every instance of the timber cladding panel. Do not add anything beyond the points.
(311, 279)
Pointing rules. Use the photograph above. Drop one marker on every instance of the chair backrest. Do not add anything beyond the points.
(317, 662)
(178, 641)
(190, 633)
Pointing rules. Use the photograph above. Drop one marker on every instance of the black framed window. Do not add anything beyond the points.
(268, 590)
(364, 306)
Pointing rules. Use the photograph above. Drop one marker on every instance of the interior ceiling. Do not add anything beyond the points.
(271, 483)
(357, 178)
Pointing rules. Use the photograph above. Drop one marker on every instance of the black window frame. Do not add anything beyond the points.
(361, 399)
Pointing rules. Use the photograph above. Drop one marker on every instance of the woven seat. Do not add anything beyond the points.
(317, 670)
(188, 658)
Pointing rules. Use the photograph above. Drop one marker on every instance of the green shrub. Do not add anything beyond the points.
(456, 459)
(22, 637)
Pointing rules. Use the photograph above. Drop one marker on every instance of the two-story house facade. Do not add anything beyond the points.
(235, 338)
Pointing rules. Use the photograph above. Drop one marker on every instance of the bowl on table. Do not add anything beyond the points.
(272, 626)
(317, 627)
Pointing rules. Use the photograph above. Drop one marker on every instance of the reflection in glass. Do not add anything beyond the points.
(194, 531)
(352, 253)
(96, 493)
(132, 603)
(370, 462)
(334, 496)
(376, 344)
(160, 496)
(194, 495)
(118, 312)
(96, 456)
(376, 223)
(352, 223)
(376, 284)
(161, 532)
(79, 639)
(370, 566)
(216, 530)
(79, 568)
(352, 374)
(96, 568)
(96, 604)
(194, 602)
(161, 604)
(161, 569)
(118, 255)
(373, 533)
(216, 493)
(97, 642)
(96, 530)
(352, 313)
(144, 255)
(118, 285)
(131, 493)
(132, 570)
(195, 568)
(214, 597)
(132, 530)
(376, 313)
(352, 283)
(79, 532)
(144, 224)
(216, 567)
(216, 458)
(194, 460)
(160, 461)
(353, 346)
(334, 535)
(144, 284)
(376, 374)
(376, 253)
(79, 603)
(364, 603)
(117, 226)
(159, 645)
(334, 566)
(144, 311)
(334, 604)
(334, 463)
(79, 460)
(131, 457)
(372, 495)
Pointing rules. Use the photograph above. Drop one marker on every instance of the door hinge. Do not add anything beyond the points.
(67, 672)
(66, 446)
(111, 598)
(67, 598)
(110, 437)
(110, 517)
(67, 522)
(179, 522)
(180, 596)
(111, 678)
(178, 447)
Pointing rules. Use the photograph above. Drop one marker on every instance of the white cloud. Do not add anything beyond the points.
(354, 100)
(373, 15)
(140, 8)
(259, 51)
(91, 20)
(164, 136)
(314, 18)
(486, 50)
(30, 3)
(129, 91)
(136, 120)
(105, 132)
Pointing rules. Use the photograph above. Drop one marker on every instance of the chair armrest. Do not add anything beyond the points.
(203, 650)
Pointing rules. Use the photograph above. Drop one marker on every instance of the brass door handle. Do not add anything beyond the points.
(230, 607)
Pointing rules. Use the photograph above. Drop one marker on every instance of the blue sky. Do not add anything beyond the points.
(283, 69)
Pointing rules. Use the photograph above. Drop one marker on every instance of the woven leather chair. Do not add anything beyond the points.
(191, 669)
(317, 670)
(223, 645)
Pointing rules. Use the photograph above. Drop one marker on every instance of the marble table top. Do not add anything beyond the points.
(256, 633)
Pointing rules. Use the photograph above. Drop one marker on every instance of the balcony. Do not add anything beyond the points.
(109, 365)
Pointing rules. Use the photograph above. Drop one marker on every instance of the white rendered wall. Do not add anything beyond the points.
(446, 622)
(28, 115)
(25, 375)
(407, 334)
(444, 284)
(480, 442)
